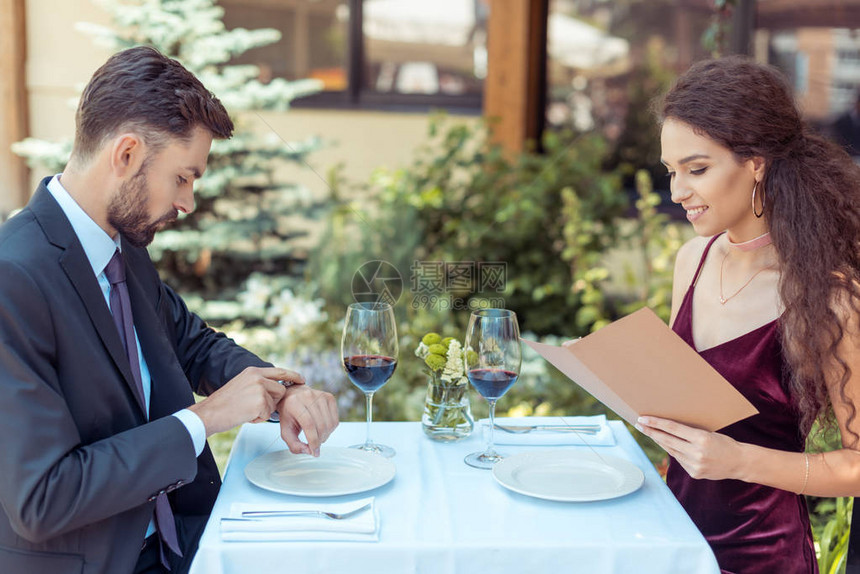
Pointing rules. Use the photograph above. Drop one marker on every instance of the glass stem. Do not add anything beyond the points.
(492, 425)
(369, 398)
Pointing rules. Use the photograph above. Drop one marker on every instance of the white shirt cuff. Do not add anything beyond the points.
(196, 429)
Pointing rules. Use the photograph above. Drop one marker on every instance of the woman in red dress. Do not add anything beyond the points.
(768, 294)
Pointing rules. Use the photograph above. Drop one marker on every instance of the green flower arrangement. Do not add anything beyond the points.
(447, 413)
(434, 350)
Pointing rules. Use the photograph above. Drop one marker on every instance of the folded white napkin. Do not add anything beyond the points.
(363, 526)
(604, 436)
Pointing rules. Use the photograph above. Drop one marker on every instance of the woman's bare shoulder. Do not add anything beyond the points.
(688, 257)
(686, 262)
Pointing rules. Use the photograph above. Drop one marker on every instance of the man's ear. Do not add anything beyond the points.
(127, 152)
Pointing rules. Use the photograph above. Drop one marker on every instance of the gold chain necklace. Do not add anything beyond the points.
(724, 300)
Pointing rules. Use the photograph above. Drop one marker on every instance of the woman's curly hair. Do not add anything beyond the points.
(811, 192)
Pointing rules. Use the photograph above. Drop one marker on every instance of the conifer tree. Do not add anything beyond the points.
(244, 221)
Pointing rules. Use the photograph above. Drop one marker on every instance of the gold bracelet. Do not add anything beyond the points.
(806, 477)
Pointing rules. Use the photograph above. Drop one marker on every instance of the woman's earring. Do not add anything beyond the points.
(753, 201)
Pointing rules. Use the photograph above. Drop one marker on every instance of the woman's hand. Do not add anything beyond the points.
(703, 454)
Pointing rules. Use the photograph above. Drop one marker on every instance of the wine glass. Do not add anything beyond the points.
(493, 359)
(369, 351)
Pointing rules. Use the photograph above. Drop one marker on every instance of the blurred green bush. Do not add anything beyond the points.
(545, 216)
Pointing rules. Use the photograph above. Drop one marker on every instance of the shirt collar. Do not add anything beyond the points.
(98, 246)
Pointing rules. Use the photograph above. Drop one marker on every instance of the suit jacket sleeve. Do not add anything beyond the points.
(53, 480)
(208, 357)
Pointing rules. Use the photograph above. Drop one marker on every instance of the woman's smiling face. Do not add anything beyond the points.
(709, 182)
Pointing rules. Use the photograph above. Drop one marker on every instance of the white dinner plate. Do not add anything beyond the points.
(337, 471)
(568, 475)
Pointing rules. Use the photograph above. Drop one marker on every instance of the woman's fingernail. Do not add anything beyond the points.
(637, 427)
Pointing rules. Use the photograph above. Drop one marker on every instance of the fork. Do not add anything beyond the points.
(522, 429)
(252, 514)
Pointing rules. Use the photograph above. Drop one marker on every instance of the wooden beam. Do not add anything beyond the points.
(301, 41)
(780, 14)
(515, 87)
(14, 182)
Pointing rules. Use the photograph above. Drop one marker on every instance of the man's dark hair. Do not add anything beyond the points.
(142, 90)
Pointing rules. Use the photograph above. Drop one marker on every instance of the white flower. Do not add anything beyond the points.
(294, 314)
(255, 296)
(421, 350)
(454, 369)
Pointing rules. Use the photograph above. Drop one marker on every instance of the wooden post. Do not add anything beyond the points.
(301, 40)
(743, 25)
(515, 87)
(14, 175)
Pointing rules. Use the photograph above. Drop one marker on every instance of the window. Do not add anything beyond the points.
(313, 40)
(607, 60)
(596, 48)
(373, 53)
(823, 64)
(420, 47)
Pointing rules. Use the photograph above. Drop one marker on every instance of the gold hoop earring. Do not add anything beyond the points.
(753, 202)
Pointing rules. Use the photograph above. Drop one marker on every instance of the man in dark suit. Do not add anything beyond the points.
(104, 466)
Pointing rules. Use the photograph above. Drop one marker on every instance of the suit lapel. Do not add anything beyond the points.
(80, 273)
(168, 393)
(77, 268)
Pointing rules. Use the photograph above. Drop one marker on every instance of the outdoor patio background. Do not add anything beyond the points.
(601, 96)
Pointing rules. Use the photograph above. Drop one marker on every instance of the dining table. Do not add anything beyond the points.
(439, 515)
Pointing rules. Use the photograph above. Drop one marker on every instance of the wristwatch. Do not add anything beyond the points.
(275, 417)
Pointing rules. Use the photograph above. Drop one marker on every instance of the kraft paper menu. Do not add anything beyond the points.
(639, 366)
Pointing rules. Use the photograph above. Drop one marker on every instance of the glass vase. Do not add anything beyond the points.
(447, 412)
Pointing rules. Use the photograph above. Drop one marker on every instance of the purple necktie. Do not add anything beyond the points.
(120, 307)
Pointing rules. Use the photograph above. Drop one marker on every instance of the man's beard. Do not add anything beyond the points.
(127, 211)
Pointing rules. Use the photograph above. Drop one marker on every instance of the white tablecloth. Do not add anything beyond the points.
(440, 516)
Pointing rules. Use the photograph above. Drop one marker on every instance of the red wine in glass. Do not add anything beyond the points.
(369, 349)
(369, 372)
(492, 383)
(493, 359)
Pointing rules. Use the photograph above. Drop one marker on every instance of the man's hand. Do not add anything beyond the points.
(250, 396)
(308, 410)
